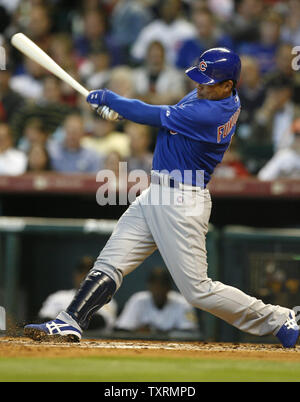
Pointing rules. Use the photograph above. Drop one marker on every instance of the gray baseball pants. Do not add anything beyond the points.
(175, 220)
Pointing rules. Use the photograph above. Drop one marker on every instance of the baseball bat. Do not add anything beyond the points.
(34, 52)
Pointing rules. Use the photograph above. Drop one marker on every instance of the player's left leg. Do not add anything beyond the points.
(180, 234)
(130, 243)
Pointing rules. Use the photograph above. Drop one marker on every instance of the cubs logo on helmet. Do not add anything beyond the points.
(202, 65)
(216, 65)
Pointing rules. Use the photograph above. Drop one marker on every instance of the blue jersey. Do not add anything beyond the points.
(194, 136)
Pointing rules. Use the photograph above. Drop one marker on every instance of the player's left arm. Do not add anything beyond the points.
(131, 109)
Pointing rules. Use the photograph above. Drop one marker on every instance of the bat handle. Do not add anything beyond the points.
(84, 92)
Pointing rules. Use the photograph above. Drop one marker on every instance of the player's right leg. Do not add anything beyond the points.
(181, 239)
(130, 243)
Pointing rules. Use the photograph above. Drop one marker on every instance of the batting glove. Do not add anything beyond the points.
(97, 99)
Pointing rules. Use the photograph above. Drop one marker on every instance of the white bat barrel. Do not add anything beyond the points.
(31, 50)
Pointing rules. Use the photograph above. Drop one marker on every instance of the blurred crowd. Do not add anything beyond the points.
(140, 49)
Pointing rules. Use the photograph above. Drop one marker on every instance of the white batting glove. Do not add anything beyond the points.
(108, 114)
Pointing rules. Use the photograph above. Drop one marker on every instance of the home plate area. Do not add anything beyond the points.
(19, 346)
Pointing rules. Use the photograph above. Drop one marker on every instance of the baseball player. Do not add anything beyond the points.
(193, 136)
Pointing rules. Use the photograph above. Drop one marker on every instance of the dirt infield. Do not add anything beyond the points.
(24, 347)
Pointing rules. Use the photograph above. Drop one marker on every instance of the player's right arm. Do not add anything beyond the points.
(131, 109)
(190, 119)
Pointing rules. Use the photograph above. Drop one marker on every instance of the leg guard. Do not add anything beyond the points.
(96, 290)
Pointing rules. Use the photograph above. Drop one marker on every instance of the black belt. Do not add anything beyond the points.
(170, 182)
(165, 181)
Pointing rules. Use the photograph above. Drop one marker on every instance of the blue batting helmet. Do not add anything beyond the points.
(216, 65)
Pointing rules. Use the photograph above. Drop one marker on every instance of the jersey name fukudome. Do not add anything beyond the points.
(195, 135)
(225, 129)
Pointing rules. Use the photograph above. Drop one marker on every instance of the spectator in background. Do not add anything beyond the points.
(231, 166)
(62, 51)
(105, 138)
(290, 31)
(29, 84)
(10, 101)
(252, 94)
(69, 156)
(157, 82)
(264, 50)
(40, 24)
(159, 309)
(270, 126)
(12, 161)
(275, 117)
(103, 319)
(268, 107)
(112, 161)
(10, 5)
(244, 24)
(222, 9)
(140, 140)
(95, 71)
(38, 159)
(286, 162)
(34, 133)
(273, 290)
(127, 20)
(292, 286)
(95, 32)
(122, 81)
(170, 29)
(209, 35)
(50, 108)
(283, 69)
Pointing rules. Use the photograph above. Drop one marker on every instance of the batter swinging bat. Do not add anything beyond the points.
(31, 50)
